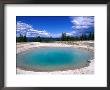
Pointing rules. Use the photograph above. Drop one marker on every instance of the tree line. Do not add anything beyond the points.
(63, 37)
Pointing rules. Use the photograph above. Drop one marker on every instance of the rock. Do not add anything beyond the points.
(89, 61)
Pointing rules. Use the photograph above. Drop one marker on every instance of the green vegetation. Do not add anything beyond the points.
(37, 39)
(21, 38)
(63, 37)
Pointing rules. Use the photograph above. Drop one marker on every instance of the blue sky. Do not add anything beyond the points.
(46, 26)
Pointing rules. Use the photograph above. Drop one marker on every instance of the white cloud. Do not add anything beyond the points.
(69, 34)
(73, 33)
(26, 29)
(44, 33)
(23, 26)
(56, 35)
(79, 23)
(82, 22)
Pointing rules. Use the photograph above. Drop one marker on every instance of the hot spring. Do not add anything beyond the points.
(53, 58)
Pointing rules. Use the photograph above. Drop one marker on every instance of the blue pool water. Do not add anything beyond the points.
(51, 59)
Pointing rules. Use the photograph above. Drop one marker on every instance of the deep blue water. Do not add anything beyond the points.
(49, 59)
